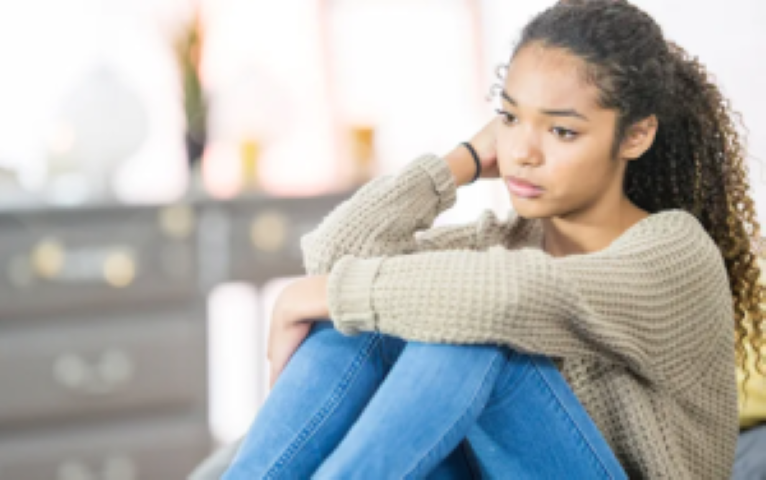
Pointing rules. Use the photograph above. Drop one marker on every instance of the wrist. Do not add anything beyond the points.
(323, 307)
(461, 164)
(304, 300)
(316, 305)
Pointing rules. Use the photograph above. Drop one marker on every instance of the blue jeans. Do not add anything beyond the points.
(375, 406)
(750, 464)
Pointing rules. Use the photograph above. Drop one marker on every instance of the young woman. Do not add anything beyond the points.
(591, 334)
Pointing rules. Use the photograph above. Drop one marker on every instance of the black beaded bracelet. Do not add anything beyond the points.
(475, 159)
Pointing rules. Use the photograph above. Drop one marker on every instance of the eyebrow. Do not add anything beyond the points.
(570, 112)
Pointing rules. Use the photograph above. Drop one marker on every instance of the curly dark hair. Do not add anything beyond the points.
(697, 161)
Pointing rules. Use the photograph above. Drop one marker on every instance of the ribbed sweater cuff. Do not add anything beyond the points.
(441, 175)
(350, 294)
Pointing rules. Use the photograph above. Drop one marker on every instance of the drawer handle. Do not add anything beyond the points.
(111, 371)
(119, 268)
(115, 467)
(177, 221)
(268, 231)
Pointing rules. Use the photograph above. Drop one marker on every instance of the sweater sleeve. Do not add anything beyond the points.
(383, 216)
(650, 301)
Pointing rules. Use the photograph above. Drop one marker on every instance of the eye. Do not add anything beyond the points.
(564, 134)
(508, 118)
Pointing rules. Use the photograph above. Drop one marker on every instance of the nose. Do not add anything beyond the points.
(524, 148)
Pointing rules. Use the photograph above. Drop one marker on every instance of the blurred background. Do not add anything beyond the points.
(159, 160)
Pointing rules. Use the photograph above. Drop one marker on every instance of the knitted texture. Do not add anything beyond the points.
(642, 330)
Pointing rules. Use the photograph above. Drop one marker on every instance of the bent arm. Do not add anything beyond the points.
(649, 302)
(382, 217)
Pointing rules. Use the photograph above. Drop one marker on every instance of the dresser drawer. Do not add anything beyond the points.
(265, 234)
(90, 369)
(157, 451)
(59, 260)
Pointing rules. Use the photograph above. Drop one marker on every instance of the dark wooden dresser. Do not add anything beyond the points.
(103, 362)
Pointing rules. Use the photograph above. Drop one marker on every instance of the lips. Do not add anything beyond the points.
(522, 183)
(522, 188)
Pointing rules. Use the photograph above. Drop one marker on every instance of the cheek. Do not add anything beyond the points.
(504, 150)
(574, 171)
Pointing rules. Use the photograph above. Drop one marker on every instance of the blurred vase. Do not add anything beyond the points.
(99, 126)
(195, 147)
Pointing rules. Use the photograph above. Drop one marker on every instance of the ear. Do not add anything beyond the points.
(639, 138)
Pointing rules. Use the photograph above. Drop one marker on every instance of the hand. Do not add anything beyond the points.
(298, 305)
(485, 144)
(461, 162)
(284, 339)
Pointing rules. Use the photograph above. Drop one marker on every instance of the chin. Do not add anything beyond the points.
(530, 208)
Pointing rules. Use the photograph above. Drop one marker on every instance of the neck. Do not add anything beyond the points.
(589, 231)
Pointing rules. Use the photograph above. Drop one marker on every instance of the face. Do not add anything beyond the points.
(553, 134)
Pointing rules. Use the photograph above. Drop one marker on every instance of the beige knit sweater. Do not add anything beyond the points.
(642, 330)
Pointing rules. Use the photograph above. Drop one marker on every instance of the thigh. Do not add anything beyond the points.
(319, 395)
(419, 415)
(534, 427)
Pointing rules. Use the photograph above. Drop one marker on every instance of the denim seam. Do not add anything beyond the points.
(513, 382)
(316, 421)
(454, 424)
(567, 415)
